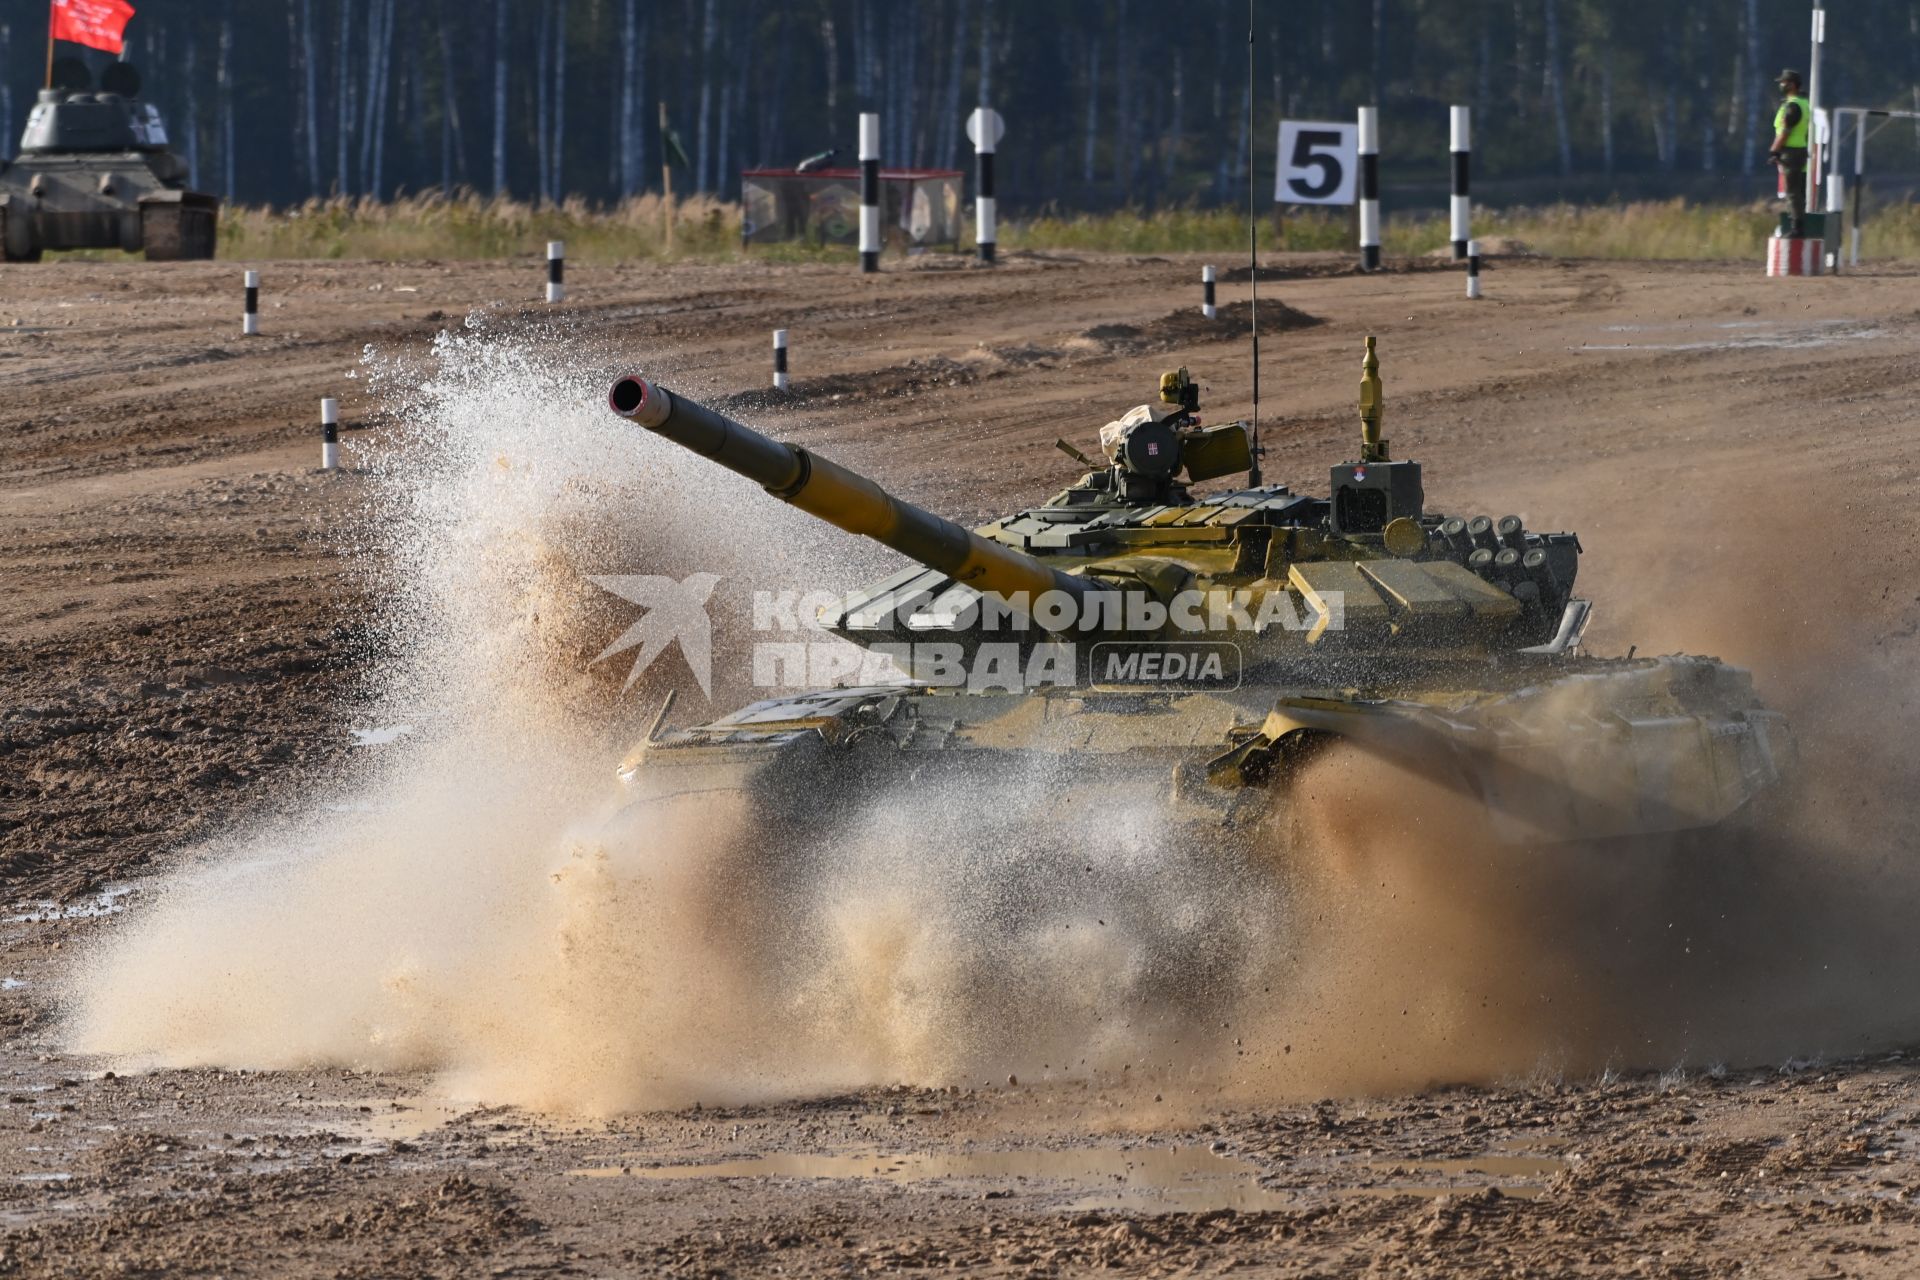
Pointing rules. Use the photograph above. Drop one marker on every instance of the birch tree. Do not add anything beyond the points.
(708, 30)
(223, 81)
(499, 97)
(193, 113)
(343, 97)
(1557, 88)
(542, 71)
(310, 79)
(632, 91)
(6, 84)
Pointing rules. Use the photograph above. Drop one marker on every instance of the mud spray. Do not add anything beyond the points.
(480, 901)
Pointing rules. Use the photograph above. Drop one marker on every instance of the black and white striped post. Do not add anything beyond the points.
(984, 126)
(779, 359)
(250, 317)
(869, 191)
(1460, 134)
(1370, 188)
(1207, 309)
(329, 434)
(1473, 268)
(556, 271)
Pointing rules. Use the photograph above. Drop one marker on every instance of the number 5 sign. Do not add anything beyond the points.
(1318, 162)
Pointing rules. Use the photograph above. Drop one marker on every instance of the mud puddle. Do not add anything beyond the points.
(109, 901)
(1184, 1179)
(1166, 1179)
(1734, 335)
(1522, 1176)
(381, 735)
(385, 1120)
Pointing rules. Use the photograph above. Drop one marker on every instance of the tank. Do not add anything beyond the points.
(95, 172)
(1131, 638)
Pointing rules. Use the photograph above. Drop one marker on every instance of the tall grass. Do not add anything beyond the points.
(469, 226)
(473, 227)
(1672, 230)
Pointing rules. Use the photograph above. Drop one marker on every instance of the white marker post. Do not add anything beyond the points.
(985, 128)
(1207, 308)
(1815, 150)
(1370, 188)
(869, 191)
(1859, 186)
(250, 317)
(779, 359)
(1835, 192)
(556, 271)
(1473, 268)
(329, 434)
(1460, 131)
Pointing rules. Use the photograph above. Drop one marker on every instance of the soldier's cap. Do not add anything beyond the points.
(1789, 76)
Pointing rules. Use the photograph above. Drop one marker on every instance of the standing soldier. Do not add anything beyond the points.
(1791, 125)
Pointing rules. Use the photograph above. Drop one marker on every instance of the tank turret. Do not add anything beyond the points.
(95, 172)
(1129, 553)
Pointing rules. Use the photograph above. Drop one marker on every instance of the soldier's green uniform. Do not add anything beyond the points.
(1792, 126)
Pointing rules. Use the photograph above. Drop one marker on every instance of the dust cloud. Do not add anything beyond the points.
(1432, 953)
(481, 900)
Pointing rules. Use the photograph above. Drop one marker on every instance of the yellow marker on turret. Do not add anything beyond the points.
(1179, 390)
(1372, 447)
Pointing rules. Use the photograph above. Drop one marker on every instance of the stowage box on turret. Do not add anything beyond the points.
(95, 172)
(1130, 637)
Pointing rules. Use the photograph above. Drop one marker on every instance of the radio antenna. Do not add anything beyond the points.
(1253, 261)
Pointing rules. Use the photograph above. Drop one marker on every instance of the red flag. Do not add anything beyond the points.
(98, 24)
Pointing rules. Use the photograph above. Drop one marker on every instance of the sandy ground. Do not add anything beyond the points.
(183, 640)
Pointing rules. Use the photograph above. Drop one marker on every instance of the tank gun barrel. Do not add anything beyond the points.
(840, 497)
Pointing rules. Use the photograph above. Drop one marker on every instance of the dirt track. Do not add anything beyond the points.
(183, 631)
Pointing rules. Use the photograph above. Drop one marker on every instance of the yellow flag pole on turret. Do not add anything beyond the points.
(1372, 447)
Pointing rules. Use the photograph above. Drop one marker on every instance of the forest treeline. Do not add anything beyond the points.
(1108, 102)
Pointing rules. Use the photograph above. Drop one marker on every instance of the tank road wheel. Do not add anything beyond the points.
(177, 232)
(16, 244)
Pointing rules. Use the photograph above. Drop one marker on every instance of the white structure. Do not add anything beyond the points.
(1846, 195)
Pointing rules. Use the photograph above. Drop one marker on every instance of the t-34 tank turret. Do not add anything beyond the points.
(1129, 637)
(94, 172)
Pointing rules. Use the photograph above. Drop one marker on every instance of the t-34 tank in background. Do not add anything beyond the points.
(94, 172)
